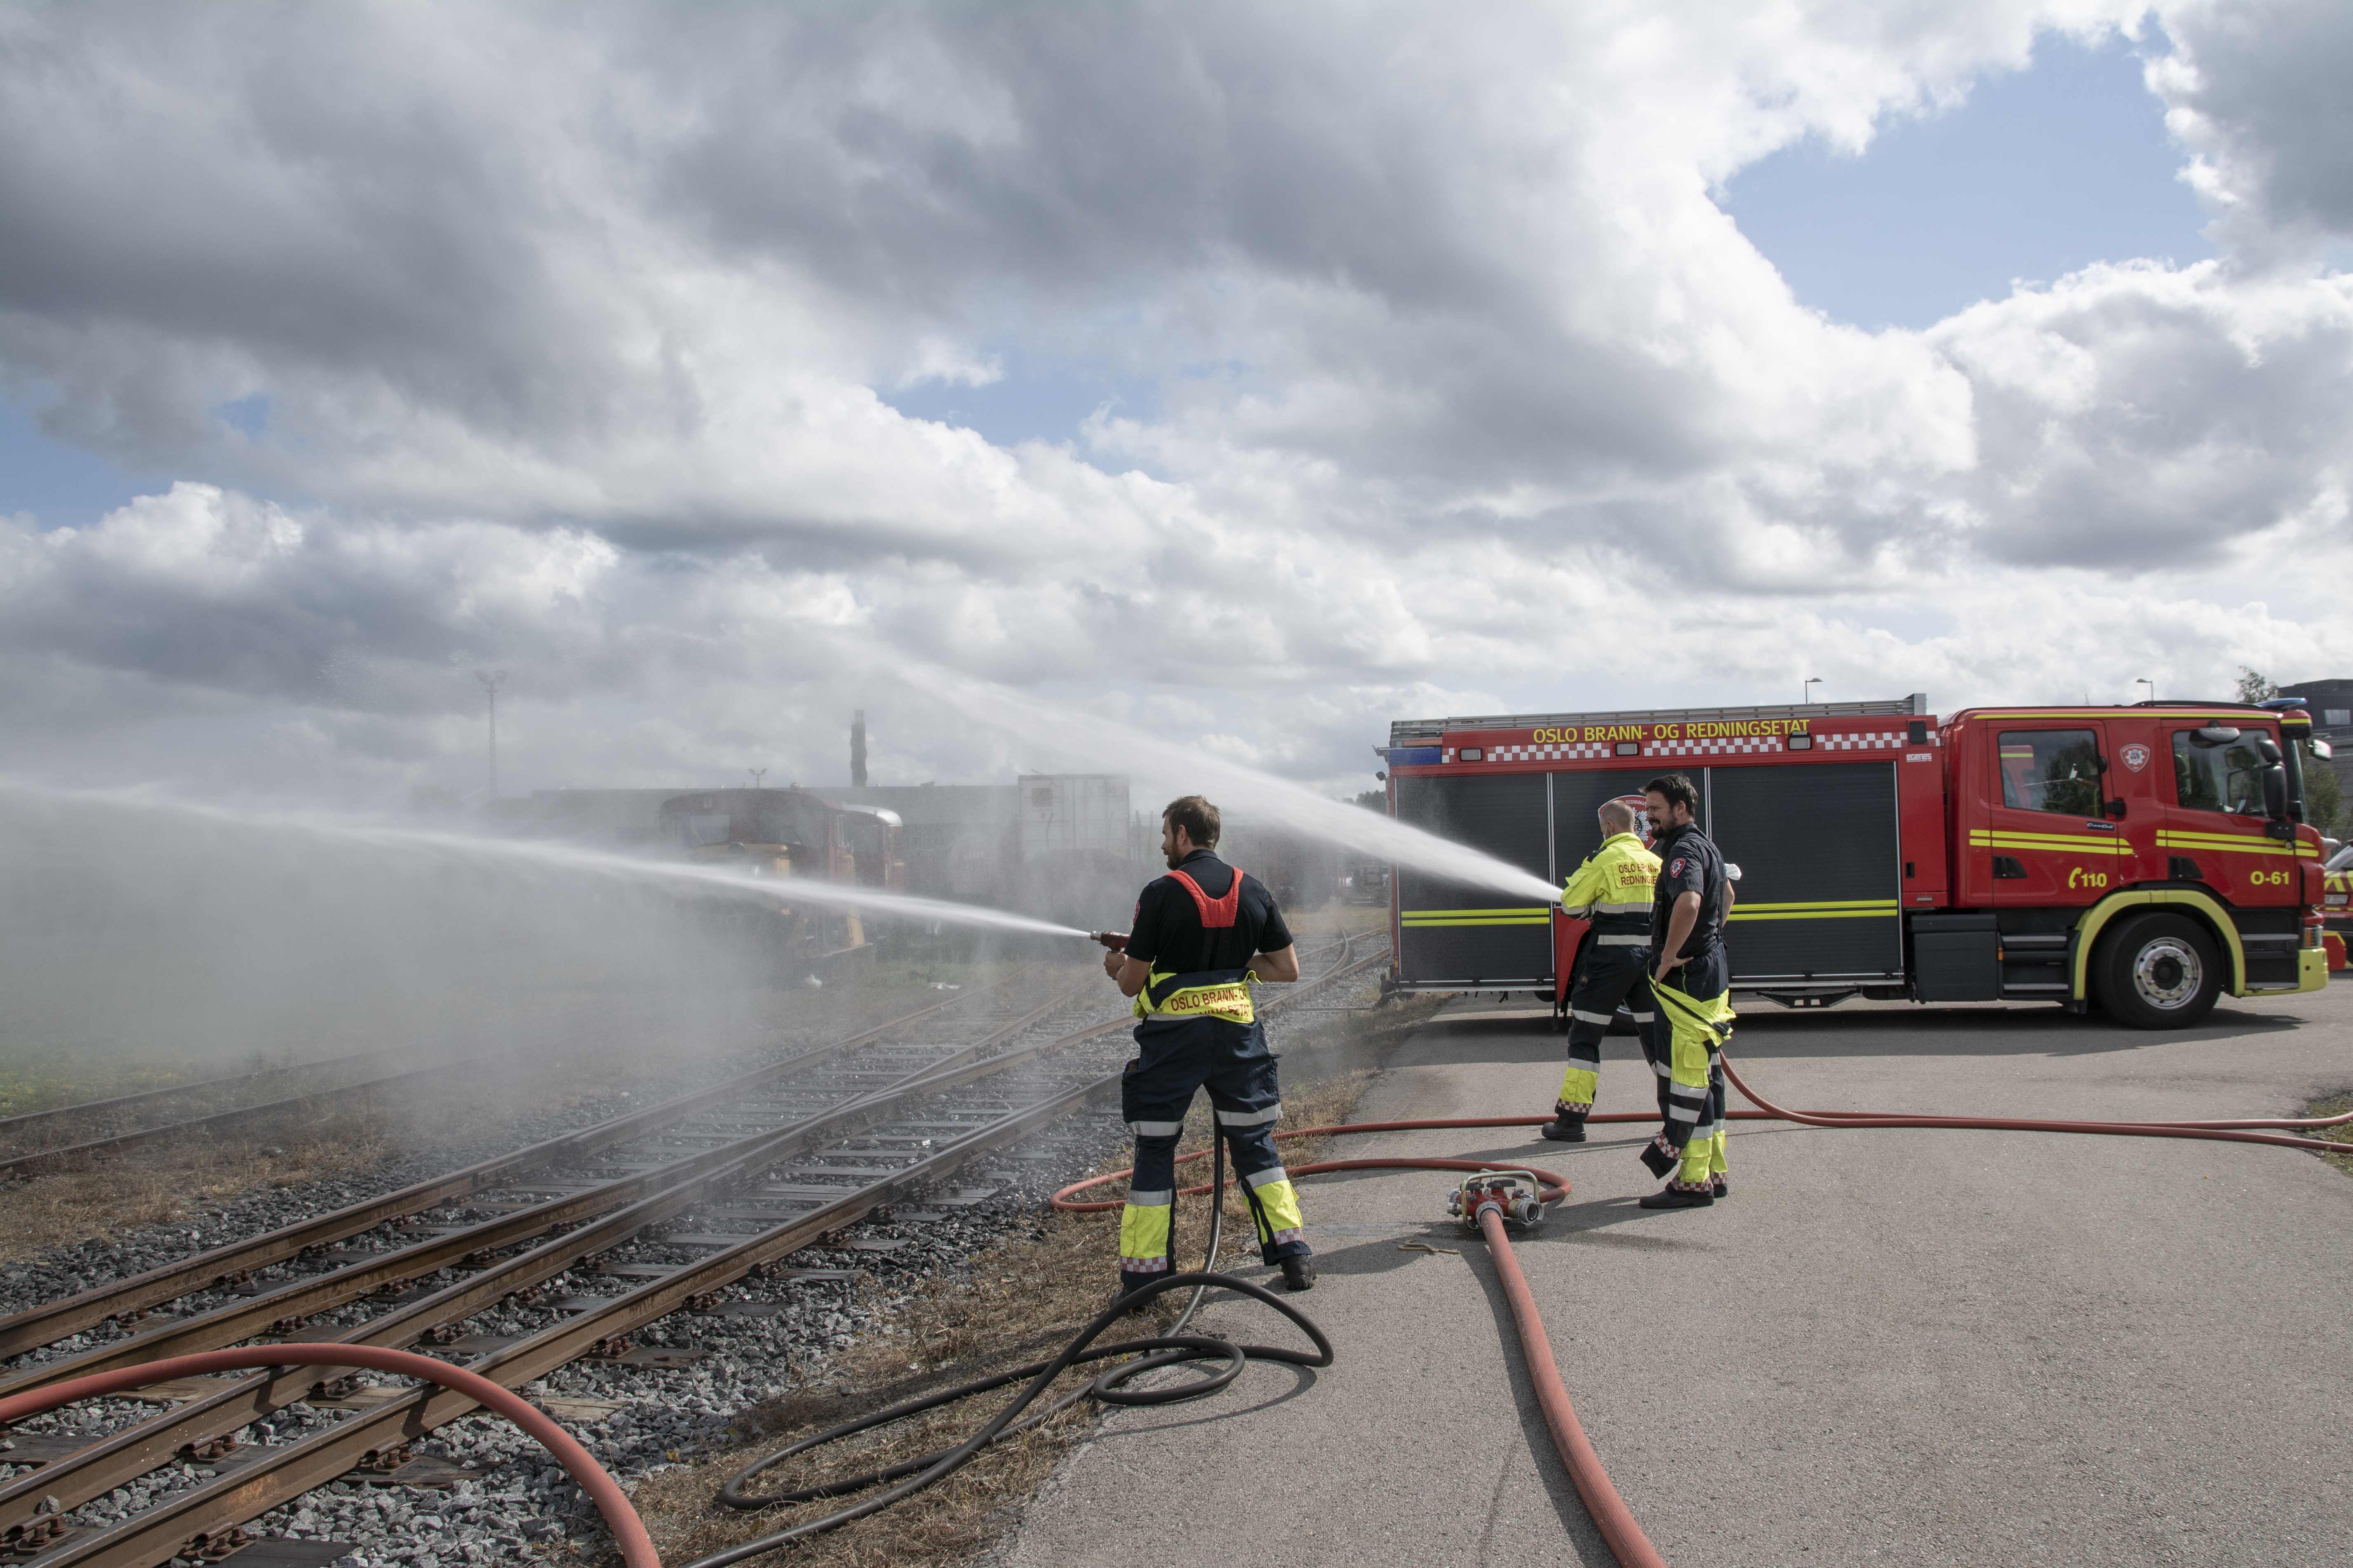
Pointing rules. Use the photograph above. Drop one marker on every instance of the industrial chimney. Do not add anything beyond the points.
(857, 749)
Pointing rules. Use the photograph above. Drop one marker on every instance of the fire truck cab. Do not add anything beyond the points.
(2147, 859)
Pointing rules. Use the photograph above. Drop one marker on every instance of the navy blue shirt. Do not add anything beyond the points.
(1689, 862)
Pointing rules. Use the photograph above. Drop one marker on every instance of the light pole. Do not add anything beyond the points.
(490, 680)
(757, 774)
(1805, 692)
(2145, 680)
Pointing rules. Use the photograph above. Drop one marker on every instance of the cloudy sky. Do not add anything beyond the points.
(1249, 374)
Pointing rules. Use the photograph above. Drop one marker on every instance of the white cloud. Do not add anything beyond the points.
(570, 326)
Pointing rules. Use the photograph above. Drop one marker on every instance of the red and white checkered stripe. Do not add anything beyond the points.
(1874, 741)
(1579, 752)
(1703, 747)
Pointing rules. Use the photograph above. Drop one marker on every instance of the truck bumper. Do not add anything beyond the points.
(2311, 968)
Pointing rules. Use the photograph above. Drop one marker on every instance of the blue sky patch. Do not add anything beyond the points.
(2039, 173)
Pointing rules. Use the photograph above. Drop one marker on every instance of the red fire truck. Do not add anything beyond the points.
(2147, 858)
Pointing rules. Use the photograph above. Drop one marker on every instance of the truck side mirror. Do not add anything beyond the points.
(2275, 792)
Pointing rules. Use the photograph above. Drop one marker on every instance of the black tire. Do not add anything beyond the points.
(2157, 971)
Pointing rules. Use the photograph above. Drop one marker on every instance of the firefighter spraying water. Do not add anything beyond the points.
(1204, 937)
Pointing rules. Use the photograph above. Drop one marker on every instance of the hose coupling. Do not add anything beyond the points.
(1513, 1196)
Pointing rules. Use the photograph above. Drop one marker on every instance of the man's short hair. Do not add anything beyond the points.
(1617, 817)
(1197, 817)
(1677, 789)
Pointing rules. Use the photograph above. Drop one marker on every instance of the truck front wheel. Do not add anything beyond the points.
(2157, 971)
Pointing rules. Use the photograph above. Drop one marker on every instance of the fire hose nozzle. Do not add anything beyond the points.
(1115, 939)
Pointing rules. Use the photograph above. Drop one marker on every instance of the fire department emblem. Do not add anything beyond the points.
(2136, 756)
(1634, 803)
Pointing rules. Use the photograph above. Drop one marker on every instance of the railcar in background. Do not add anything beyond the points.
(787, 834)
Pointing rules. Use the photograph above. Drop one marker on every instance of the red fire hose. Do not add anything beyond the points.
(1609, 1511)
(628, 1530)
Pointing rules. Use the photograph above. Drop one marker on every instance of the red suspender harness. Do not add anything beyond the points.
(1217, 914)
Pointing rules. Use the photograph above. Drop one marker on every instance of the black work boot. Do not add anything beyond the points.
(1567, 1124)
(1678, 1197)
(1297, 1274)
(1662, 1157)
(1129, 1295)
(1719, 1188)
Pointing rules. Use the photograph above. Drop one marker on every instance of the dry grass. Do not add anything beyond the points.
(2334, 1105)
(1020, 1303)
(338, 1135)
(327, 1138)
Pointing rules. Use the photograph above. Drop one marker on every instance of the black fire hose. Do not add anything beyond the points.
(1158, 1351)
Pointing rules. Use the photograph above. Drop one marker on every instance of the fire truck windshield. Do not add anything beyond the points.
(2227, 777)
(2050, 770)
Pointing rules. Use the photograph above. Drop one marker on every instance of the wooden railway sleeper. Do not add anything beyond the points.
(34, 1536)
(284, 1474)
(385, 1460)
(212, 1546)
(122, 1456)
(227, 1324)
(60, 1320)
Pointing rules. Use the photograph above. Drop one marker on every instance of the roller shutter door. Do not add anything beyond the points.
(1821, 864)
(1450, 931)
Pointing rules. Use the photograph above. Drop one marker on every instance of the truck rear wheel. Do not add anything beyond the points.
(2157, 971)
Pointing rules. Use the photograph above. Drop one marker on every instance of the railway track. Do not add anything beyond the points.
(218, 1121)
(31, 1123)
(18, 1160)
(706, 1190)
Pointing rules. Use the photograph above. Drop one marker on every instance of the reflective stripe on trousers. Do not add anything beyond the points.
(1607, 977)
(1693, 1093)
(1179, 1057)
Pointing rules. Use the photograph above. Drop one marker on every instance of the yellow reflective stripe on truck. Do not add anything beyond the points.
(2229, 843)
(2067, 842)
(1820, 909)
(1532, 916)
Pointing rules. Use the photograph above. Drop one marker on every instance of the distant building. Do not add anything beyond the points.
(1073, 814)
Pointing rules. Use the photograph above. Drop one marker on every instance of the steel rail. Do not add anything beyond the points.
(281, 1475)
(236, 1322)
(10, 1125)
(123, 1142)
(68, 1315)
(135, 1451)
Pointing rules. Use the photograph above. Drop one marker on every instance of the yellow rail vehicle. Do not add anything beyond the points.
(788, 835)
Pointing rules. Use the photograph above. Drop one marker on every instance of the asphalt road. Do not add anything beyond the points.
(1886, 1347)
